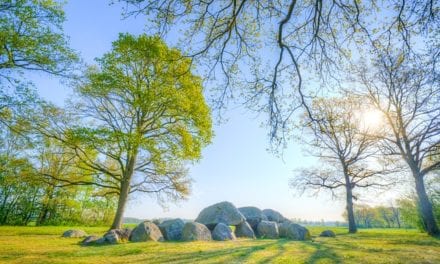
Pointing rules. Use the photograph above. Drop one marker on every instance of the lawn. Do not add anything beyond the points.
(44, 245)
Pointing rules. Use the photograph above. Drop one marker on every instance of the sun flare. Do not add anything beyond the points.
(372, 119)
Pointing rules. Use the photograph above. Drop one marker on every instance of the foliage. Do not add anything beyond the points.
(44, 244)
(31, 38)
(140, 115)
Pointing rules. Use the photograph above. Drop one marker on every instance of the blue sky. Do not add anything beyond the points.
(236, 167)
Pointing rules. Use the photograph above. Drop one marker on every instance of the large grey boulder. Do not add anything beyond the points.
(296, 232)
(274, 216)
(267, 229)
(146, 231)
(75, 233)
(222, 232)
(224, 212)
(253, 215)
(195, 231)
(172, 229)
(244, 230)
(327, 233)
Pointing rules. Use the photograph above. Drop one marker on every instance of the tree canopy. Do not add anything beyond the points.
(141, 114)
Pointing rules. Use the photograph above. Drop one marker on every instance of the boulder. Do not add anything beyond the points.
(224, 212)
(89, 240)
(115, 236)
(195, 231)
(111, 237)
(327, 233)
(282, 228)
(172, 229)
(267, 229)
(274, 216)
(146, 231)
(74, 233)
(296, 232)
(244, 230)
(253, 216)
(222, 232)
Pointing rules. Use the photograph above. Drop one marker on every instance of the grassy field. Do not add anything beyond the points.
(44, 245)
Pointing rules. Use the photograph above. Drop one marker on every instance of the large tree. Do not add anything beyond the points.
(340, 139)
(142, 115)
(407, 91)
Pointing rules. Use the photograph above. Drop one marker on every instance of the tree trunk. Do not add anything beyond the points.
(123, 195)
(350, 213)
(122, 201)
(425, 207)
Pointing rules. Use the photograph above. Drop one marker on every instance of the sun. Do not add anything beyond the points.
(372, 119)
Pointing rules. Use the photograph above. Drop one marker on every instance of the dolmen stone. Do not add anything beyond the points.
(172, 229)
(244, 230)
(193, 231)
(294, 231)
(224, 212)
(327, 233)
(75, 233)
(146, 231)
(253, 216)
(268, 229)
(282, 228)
(274, 216)
(90, 240)
(222, 232)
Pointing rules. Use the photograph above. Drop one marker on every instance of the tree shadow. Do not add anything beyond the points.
(322, 253)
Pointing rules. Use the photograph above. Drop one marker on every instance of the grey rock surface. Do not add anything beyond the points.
(268, 229)
(146, 231)
(172, 229)
(193, 231)
(224, 212)
(244, 230)
(222, 232)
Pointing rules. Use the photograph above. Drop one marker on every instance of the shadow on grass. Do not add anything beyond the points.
(322, 253)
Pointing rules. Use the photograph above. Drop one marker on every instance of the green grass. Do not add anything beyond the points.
(44, 245)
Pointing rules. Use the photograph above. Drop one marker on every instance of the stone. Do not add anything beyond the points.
(222, 232)
(224, 212)
(253, 216)
(195, 231)
(282, 228)
(267, 229)
(274, 216)
(146, 231)
(172, 229)
(89, 240)
(244, 230)
(297, 232)
(74, 233)
(111, 237)
(327, 233)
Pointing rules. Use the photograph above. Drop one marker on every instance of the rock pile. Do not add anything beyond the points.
(213, 223)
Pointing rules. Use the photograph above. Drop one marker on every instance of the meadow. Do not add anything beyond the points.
(45, 245)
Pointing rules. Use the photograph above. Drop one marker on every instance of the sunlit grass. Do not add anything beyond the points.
(44, 245)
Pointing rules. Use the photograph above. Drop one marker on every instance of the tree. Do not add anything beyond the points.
(407, 91)
(31, 38)
(279, 43)
(141, 116)
(346, 149)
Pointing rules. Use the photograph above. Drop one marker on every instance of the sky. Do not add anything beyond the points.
(236, 167)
